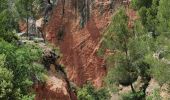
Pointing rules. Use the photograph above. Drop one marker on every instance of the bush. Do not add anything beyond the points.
(6, 77)
(9, 36)
(88, 92)
(137, 4)
(143, 15)
(19, 69)
(133, 96)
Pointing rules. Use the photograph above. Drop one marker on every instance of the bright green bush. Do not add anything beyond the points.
(88, 92)
(6, 77)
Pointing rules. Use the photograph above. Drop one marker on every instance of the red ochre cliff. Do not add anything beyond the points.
(79, 46)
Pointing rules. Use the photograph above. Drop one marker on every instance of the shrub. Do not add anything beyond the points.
(88, 92)
(133, 96)
(19, 70)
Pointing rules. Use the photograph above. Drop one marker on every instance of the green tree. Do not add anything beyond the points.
(152, 21)
(137, 4)
(130, 47)
(125, 73)
(6, 77)
(164, 17)
(28, 9)
(155, 20)
(148, 16)
(159, 57)
(23, 64)
(8, 21)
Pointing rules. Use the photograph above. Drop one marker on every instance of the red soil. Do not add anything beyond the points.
(54, 89)
(79, 46)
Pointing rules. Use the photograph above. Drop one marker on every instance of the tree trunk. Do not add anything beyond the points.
(127, 61)
(132, 88)
(27, 26)
(27, 21)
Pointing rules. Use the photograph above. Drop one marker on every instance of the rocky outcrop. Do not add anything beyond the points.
(153, 85)
(165, 92)
(162, 90)
(54, 89)
(57, 86)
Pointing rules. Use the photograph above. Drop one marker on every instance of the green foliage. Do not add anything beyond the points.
(6, 77)
(123, 72)
(159, 69)
(117, 36)
(130, 49)
(7, 22)
(159, 58)
(117, 33)
(133, 96)
(25, 8)
(148, 16)
(3, 4)
(137, 4)
(6, 85)
(88, 92)
(155, 20)
(138, 49)
(143, 15)
(152, 20)
(164, 17)
(118, 30)
(100, 52)
(130, 46)
(20, 69)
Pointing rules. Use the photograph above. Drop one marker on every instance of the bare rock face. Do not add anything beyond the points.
(153, 85)
(54, 89)
(165, 92)
(78, 44)
(22, 26)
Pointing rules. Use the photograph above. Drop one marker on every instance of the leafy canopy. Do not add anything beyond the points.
(20, 68)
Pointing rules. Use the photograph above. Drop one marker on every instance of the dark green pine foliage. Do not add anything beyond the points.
(123, 73)
(130, 46)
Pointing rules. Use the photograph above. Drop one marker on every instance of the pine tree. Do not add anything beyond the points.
(130, 46)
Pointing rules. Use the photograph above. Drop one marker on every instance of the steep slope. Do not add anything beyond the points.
(79, 46)
(57, 86)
